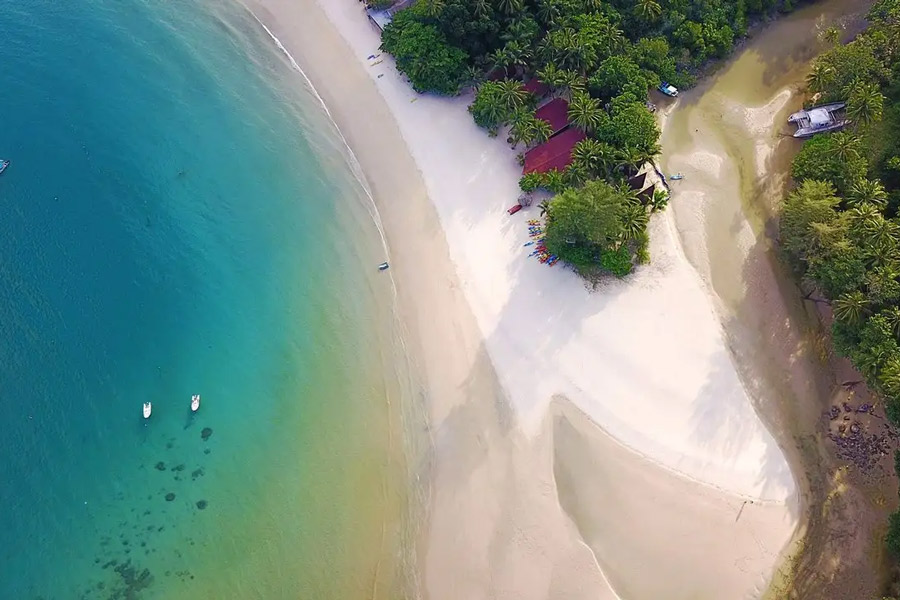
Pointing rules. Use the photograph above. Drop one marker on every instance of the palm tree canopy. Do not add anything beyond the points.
(648, 9)
(585, 112)
(865, 104)
(867, 190)
(850, 307)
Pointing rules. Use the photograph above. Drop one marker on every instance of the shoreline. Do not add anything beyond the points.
(493, 432)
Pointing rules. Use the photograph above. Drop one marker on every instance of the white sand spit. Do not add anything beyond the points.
(693, 483)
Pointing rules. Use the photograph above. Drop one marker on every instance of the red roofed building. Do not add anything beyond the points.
(555, 112)
(537, 88)
(555, 153)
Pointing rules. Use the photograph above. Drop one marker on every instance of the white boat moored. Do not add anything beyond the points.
(195, 402)
(148, 408)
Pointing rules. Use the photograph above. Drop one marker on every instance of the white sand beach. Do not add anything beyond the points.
(586, 444)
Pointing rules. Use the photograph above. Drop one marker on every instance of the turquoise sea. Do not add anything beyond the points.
(181, 217)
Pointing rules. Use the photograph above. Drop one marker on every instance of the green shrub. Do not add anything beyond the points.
(617, 262)
(424, 55)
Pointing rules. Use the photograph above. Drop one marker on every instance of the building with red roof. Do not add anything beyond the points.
(555, 112)
(555, 153)
(537, 88)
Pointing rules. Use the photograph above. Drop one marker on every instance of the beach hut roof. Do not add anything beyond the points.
(536, 87)
(637, 182)
(555, 112)
(646, 195)
(556, 153)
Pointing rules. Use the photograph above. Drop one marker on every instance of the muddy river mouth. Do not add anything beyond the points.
(730, 139)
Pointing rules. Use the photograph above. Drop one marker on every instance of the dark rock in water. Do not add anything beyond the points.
(111, 563)
(196, 473)
(207, 431)
(170, 496)
(206, 451)
(169, 445)
(178, 468)
(160, 466)
(201, 504)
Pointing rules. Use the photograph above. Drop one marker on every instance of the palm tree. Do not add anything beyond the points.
(892, 315)
(846, 146)
(889, 378)
(433, 8)
(883, 257)
(548, 11)
(521, 30)
(512, 54)
(631, 159)
(545, 207)
(867, 190)
(659, 200)
(596, 157)
(541, 131)
(563, 47)
(850, 307)
(832, 35)
(585, 112)
(511, 95)
(865, 104)
(528, 128)
(634, 221)
(521, 128)
(648, 9)
(820, 78)
(511, 6)
(883, 233)
(481, 7)
(588, 154)
(473, 76)
(575, 175)
(871, 362)
(863, 217)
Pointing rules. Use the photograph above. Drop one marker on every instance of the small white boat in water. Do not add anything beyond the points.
(195, 402)
(148, 408)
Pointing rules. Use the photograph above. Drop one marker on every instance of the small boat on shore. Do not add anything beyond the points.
(195, 402)
(383, 266)
(3, 164)
(148, 408)
(668, 89)
(819, 119)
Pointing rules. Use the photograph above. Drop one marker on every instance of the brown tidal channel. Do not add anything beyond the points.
(730, 139)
